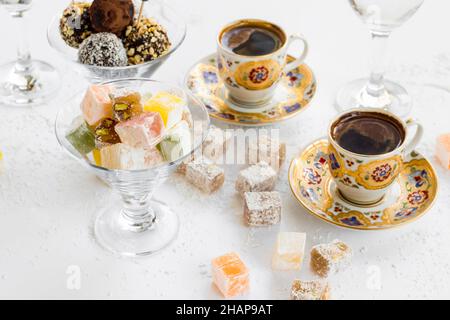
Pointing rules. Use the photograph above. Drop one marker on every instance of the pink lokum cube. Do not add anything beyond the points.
(96, 104)
(144, 130)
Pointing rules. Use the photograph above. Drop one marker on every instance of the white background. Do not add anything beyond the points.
(48, 201)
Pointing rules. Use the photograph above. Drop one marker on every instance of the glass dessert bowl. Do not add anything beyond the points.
(69, 29)
(156, 127)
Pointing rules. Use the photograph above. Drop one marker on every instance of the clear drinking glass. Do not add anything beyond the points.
(382, 17)
(26, 81)
(135, 224)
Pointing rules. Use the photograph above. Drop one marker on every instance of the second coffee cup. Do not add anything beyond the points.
(366, 152)
(252, 59)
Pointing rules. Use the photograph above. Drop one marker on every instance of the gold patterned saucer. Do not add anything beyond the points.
(295, 92)
(412, 194)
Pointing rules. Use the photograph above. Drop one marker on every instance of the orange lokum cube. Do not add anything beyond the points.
(443, 150)
(230, 275)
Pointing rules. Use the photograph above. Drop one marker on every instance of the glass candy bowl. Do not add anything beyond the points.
(135, 224)
(163, 14)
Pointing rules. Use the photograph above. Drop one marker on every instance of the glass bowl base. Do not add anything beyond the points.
(30, 87)
(354, 95)
(114, 232)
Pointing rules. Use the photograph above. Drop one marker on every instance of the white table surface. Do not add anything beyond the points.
(48, 201)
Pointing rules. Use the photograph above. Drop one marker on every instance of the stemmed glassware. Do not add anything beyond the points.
(135, 224)
(157, 10)
(382, 17)
(26, 81)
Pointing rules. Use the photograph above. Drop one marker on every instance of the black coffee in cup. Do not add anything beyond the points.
(368, 133)
(252, 40)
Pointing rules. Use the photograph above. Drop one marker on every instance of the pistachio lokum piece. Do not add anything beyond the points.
(125, 104)
(105, 133)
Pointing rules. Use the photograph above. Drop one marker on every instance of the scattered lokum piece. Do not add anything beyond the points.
(96, 104)
(329, 258)
(169, 106)
(125, 104)
(262, 208)
(124, 157)
(443, 150)
(205, 176)
(81, 137)
(216, 143)
(310, 290)
(257, 178)
(105, 134)
(267, 149)
(177, 142)
(230, 275)
(289, 251)
(144, 130)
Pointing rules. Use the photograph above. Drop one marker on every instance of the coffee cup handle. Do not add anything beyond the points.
(417, 137)
(299, 61)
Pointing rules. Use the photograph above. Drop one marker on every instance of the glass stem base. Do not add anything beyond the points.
(131, 235)
(28, 84)
(392, 97)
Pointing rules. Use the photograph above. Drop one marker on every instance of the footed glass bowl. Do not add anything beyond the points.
(135, 224)
(163, 14)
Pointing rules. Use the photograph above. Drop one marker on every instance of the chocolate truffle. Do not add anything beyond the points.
(75, 23)
(111, 15)
(104, 50)
(146, 41)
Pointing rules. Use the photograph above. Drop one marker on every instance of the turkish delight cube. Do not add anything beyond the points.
(216, 143)
(443, 150)
(257, 178)
(289, 251)
(262, 208)
(329, 258)
(206, 176)
(177, 143)
(97, 104)
(230, 275)
(81, 137)
(267, 149)
(105, 134)
(310, 290)
(124, 157)
(144, 130)
(125, 104)
(168, 105)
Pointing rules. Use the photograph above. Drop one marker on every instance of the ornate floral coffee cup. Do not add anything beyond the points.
(364, 179)
(251, 80)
